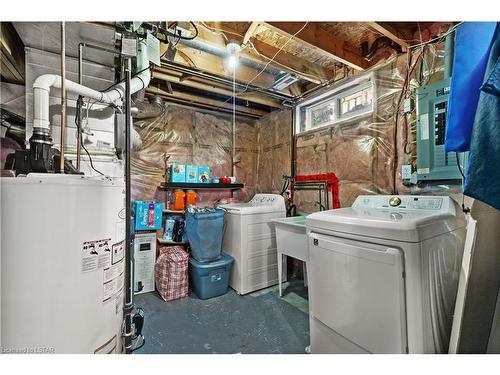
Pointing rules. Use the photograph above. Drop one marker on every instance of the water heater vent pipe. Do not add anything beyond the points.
(43, 84)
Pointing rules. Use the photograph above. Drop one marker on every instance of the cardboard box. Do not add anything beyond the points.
(192, 173)
(148, 215)
(177, 172)
(203, 174)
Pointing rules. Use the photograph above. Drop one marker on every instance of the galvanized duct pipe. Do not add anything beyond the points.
(222, 52)
(212, 77)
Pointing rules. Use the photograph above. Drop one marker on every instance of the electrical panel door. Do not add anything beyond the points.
(433, 163)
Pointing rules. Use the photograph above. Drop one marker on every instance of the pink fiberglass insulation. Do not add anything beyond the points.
(190, 136)
(274, 150)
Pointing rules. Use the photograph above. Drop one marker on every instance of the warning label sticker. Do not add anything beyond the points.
(113, 271)
(118, 252)
(96, 254)
(112, 286)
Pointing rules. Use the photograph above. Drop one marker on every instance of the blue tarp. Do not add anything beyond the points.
(472, 44)
(482, 180)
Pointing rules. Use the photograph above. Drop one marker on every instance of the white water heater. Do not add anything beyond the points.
(62, 264)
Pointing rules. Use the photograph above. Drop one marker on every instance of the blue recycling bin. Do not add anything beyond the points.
(204, 233)
(210, 279)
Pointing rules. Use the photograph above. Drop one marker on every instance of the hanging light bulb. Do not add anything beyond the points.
(232, 60)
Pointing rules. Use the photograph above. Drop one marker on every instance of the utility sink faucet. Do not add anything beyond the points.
(320, 205)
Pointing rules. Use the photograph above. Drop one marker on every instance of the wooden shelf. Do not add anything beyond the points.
(168, 242)
(189, 185)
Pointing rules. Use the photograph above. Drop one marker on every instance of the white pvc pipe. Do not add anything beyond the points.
(43, 84)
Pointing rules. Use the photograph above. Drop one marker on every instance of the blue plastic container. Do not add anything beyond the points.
(148, 215)
(210, 279)
(204, 233)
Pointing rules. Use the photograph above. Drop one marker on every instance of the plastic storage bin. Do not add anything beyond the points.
(210, 279)
(204, 233)
(148, 215)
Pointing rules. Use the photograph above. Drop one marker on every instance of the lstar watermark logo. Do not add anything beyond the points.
(27, 350)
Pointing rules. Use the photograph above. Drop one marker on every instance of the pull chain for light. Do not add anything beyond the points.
(234, 121)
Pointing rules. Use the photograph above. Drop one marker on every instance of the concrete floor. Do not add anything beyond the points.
(257, 323)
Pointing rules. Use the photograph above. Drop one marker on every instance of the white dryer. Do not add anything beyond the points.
(383, 274)
(249, 237)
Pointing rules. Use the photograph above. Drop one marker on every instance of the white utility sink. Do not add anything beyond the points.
(291, 240)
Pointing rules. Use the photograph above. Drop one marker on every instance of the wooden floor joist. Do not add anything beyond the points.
(387, 30)
(196, 83)
(213, 104)
(316, 37)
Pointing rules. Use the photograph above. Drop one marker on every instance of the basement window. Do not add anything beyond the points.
(322, 114)
(344, 102)
(357, 103)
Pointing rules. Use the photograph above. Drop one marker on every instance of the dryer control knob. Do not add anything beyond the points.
(394, 201)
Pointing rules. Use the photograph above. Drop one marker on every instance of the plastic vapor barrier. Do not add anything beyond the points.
(189, 136)
(366, 152)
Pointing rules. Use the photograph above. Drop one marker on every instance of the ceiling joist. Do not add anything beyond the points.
(250, 32)
(264, 52)
(395, 35)
(219, 89)
(316, 37)
(202, 101)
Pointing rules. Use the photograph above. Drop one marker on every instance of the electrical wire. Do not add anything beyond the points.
(450, 30)
(168, 32)
(276, 54)
(267, 64)
(140, 346)
(459, 167)
(323, 81)
(220, 31)
(252, 46)
(464, 209)
(150, 66)
(404, 91)
(77, 123)
(417, 40)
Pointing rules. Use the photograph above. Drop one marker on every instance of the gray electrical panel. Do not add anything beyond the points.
(433, 163)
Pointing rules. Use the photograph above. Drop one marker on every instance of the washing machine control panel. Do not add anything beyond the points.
(394, 201)
(267, 200)
(412, 202)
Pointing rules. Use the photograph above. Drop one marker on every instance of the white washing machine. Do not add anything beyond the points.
(383, 274)
(249, 237)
